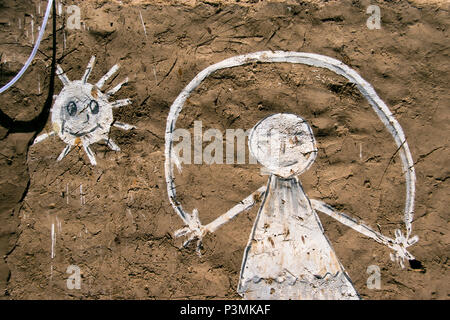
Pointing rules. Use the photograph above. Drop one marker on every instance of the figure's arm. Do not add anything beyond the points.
(242, 206)
(197, 231)
(399, 244)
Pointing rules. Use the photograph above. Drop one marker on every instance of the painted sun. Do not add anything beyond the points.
(83, 115)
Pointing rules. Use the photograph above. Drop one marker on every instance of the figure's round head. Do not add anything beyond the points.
(81, 113)
(284, 144)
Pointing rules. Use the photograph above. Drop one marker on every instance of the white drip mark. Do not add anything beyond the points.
(154, 73)
(82, 198)
(143, 24)
(130, 215)
(53, 235)
(58, 225)
(32, 29)
(59, 9)
(64, 40)
(360, 151)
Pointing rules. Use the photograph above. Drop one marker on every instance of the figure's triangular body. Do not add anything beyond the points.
(288, 255)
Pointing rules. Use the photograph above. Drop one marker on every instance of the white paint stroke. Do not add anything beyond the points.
(42, 137)
(123, 126)
(117, 88)
(395, 244)
(130, 215)
(82, 198)
(143, 24)
(154, 73)
(60, 8)
(242, 206)
(62, 76)
(53, 237)
(64, 41)
(121, 103)
(112, 145)
(310, 59)
(64, 152)
(32, 29)
(88, 70)
(58, 224)
(108, 75)
(196, 228)
(360, 150)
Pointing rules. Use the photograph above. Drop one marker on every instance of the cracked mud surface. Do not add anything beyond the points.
(119, 231)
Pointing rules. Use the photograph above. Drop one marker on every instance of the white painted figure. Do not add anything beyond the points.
(82, 114)
(288, 255)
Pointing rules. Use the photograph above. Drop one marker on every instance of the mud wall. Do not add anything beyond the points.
(114, 220)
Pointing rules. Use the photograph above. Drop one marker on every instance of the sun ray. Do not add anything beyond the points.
(62, 76)
(121, 103)
(116, 88)
(123, 126)
(89, 68)
(90, 154)
(64, 152)
(112, 145)
(42, 137)
(105, 78)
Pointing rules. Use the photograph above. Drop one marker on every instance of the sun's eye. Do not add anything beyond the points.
(93, 105)
(71, 108)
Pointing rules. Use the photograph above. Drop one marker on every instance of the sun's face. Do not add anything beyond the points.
(82, 114)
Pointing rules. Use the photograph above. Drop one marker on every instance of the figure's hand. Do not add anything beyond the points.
(194, 230)
(400, 245)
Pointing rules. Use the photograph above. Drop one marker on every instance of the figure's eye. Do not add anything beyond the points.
(93, 105)
(71, 108)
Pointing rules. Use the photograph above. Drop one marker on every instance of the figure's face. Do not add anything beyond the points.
(81, 113)
(284, 144)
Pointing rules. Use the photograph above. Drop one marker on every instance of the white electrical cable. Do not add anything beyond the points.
(33, 53)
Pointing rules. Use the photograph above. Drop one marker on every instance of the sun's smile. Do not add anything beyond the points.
(80, 134)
